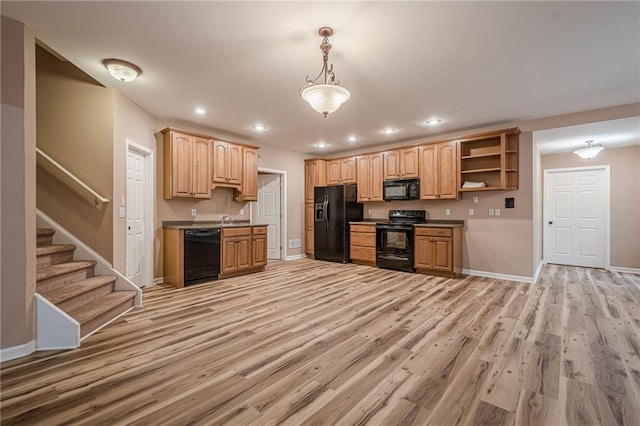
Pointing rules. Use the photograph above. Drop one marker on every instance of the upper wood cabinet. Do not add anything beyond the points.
(227, 164)
(342, 170)
(249, 187)
(489, 161)
(370, 170)
(438, 171)
(187, 167)
(401, 163)
(315, 172)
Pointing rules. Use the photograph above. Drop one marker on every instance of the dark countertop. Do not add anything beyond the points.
(205, 224)
(429, 224)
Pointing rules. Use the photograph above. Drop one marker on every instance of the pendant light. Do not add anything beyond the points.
(589, 151)
(327, 95)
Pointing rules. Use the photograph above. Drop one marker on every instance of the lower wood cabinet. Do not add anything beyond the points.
(438, 250)
(363, 243)
(259, 245)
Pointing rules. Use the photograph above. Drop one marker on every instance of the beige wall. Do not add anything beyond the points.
(75, 128)
(17, 178)
(624, 165)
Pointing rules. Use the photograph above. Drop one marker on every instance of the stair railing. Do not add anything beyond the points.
(99, 199)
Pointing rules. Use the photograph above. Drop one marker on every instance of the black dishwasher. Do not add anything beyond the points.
(201, 255)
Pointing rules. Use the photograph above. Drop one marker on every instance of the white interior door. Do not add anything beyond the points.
(267, 211)
(136, 207)
(576, 212)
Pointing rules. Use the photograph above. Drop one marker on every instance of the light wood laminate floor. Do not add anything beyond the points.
(309, 342)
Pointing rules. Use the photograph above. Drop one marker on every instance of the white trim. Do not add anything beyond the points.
(284, 242)
(625, 270)
(536, 274)
(520, 278)
(607, 214)
(14, 352)
(55, 329)
(158, 280)
(150, 207)
(107, 323)
(296, 256)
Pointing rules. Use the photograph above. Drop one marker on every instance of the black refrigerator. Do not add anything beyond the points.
(334, 207)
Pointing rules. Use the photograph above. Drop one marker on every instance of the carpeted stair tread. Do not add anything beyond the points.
(54, 248)
(66, 292)
(86, 313)
(44, 236)
(63, 268)
(44, 231)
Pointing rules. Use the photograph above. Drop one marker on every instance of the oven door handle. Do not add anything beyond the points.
(394, 257)
(394, 227)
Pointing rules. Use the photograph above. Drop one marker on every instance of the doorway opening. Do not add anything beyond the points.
(270, 210)
(139, 202)
(576, 216)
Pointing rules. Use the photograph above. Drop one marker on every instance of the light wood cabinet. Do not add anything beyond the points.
(315, 171)
(227, 164)
(236, 250)
(401, 163)
(363, 243)
(489, 159)
(369, 177)
(249, 187)
(259, 245)
(187, 167)
(342, 170)
(438, 250)
(438, 171)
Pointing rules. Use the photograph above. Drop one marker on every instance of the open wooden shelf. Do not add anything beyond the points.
(467, 157)
(492, 169)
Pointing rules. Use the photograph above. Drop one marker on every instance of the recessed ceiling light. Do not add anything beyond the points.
(200, 111)
(259, 127)
(433, 122)
(321, 145)
(388, 130)
(352, 138)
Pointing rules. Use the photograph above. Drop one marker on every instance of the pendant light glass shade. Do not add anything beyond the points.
(589, 151)
(325, 98)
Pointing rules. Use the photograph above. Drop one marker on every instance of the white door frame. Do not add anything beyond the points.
(150, 210)
(607, 224)
(283, 210)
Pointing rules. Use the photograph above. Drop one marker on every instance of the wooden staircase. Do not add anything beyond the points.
(71, 285)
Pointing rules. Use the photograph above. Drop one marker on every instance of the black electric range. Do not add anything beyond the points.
(394, 239)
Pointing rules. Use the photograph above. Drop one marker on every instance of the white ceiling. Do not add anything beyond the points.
(472, 64)
(611, 134)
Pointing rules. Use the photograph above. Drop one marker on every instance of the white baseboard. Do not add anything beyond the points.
(158, 280)
(7, 354)
(625, 270)
(521, 278)
(538, 270)
(296, 257)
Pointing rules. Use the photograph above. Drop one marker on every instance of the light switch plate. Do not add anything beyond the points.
(447, 212)
(241, 212)
(193, 212)
(470, 212)
(497, 212)
(122, 212)
(475, 199)
(490, 212)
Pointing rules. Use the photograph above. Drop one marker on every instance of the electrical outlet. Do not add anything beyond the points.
(490, 212)
(369, 212)
(241, 212)
(470, 212)
(497, 212)
(475, 199)
(447, 212)
(193, 212)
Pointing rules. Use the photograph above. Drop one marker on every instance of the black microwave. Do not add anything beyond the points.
(406, 189)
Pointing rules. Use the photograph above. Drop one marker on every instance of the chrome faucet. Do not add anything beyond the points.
(225, 217)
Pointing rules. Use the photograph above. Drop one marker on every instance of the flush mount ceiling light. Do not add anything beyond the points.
(122, 70)
(327, 95)
(588, 151)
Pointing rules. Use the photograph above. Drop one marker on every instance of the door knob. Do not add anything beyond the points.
(550, 223)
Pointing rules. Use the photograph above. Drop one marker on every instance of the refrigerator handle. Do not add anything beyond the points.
(326, 209)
